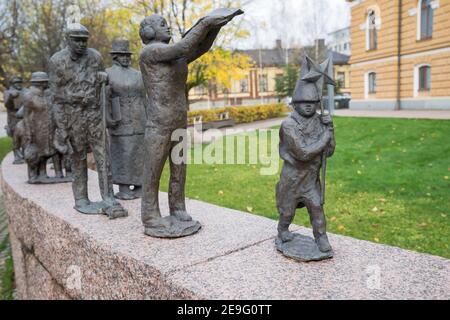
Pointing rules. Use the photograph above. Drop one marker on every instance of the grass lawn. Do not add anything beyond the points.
(6, 266)
(388, 182)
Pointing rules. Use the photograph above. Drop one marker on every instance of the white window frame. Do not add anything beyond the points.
(377, 26)
(434, 6)
(417, 77)
(366, 82)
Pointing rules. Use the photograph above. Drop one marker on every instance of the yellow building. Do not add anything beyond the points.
(400, 54)
(258, 86)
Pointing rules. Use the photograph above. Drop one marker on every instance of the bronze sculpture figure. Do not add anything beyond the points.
(126, 121)
(306, 139)
(164, 68)
(37, 139)
(77, 82)
(13, 103)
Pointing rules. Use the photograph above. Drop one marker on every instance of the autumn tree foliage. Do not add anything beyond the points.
(32, 31)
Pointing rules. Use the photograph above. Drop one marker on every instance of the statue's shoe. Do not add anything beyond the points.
(87, 207)
(286, 236)
(323, 244)
(126, 195)
(115, 211)
(18, 161)
(171, 227)
(181, 215)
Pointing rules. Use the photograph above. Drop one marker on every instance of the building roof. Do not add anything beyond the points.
(272, 57)
(277, 57)
(339, 58)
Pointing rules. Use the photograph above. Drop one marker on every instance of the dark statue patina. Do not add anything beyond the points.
(126, 119)
(38, 131)
(306, 140)
(78, 85)
(12, 97)
(164, 68)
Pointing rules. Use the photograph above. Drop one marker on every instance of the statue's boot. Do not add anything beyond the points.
(87, 207)
(18, 157)
(283, 227)
(113, 209)
(286, 236)
(171, 227)
(181, 215)
(323, 243)
(125, 193)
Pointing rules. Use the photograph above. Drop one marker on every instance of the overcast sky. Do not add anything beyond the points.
(295, 22)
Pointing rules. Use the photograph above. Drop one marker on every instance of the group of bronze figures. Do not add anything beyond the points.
(126, 119)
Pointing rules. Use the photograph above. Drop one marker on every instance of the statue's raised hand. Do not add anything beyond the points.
(216, 21)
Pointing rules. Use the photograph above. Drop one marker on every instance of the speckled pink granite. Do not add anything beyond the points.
(232, 257)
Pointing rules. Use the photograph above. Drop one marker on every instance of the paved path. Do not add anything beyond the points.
(2, 124)
(407, 114)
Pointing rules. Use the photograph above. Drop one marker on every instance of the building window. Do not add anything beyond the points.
(425, 19)
(422, 79)
(341, 79)
(372, 79)
(244, 85)
(263, 83)
(372, 32)
(425, 78)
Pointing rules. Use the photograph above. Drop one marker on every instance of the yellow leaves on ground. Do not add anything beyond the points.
(445, 177)
(220, 193)
(341, 227)
(376, 239)
(249, 209)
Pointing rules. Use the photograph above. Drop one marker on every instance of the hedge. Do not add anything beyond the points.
(241, 114)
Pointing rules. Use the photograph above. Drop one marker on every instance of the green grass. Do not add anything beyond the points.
(7, 271)
(387, 183)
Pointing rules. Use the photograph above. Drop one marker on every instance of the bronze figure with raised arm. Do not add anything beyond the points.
(164, 68)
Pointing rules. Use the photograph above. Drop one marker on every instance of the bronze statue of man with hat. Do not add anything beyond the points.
(306, 139)
(38, 132)
(164, 67)
(78, 85)
(12, 97)
(126, 119)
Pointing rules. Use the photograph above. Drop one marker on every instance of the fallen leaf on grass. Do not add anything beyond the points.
(376, 239)
(341, 227)
(333, 218)
(445, 177)
(422, 225)
(375, 209)
(220, 193)
(250, 209)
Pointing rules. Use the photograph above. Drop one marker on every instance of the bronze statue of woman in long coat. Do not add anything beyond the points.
(126, 121)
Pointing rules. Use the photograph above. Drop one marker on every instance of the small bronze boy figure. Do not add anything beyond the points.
(37, 139)
(306, 139)
(13, 103)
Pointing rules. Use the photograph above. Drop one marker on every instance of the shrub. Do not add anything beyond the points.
(241, 114)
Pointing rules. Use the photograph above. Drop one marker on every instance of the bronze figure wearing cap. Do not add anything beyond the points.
(126, 121)
(305, 137)
(77, 82)
(38, 132)
(12, 97)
